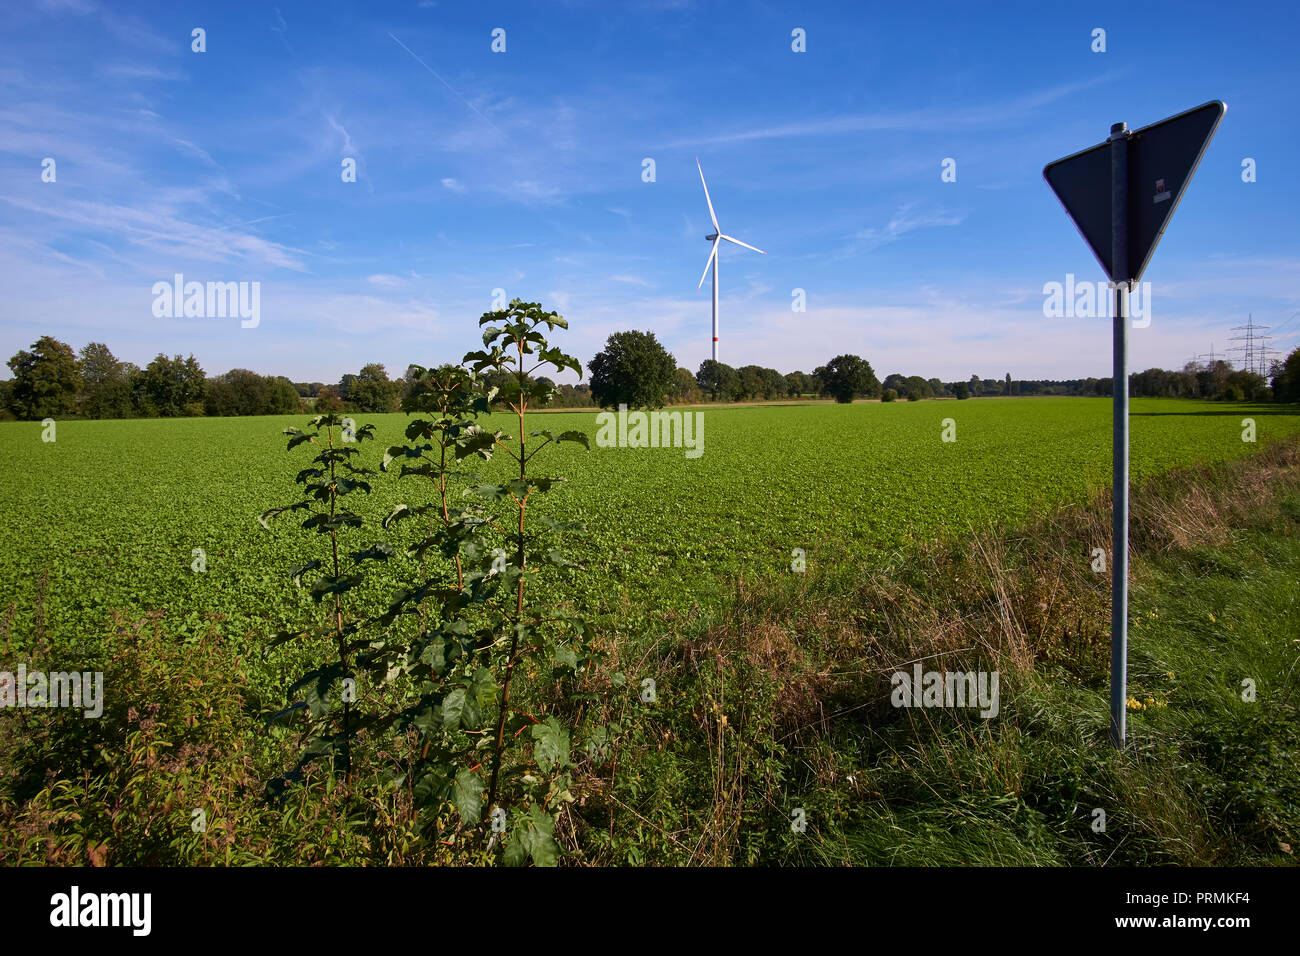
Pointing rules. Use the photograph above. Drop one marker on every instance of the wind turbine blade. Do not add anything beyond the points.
(712, 255)
(739, 243)
(716, 227)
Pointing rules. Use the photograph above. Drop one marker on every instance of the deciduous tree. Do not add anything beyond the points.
(633, 369)
(105, 388)
(847, 377)
(1286, 378)
(46, 380)
(718, 380)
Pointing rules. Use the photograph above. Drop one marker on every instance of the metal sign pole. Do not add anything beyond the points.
(1119, 142)
(1160, 159)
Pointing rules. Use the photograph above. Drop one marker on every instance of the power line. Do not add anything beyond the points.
(1294, 316)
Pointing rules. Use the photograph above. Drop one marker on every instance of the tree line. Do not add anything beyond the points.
(634, 369)
(51, 380)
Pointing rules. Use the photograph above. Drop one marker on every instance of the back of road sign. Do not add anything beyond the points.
(1162, 158)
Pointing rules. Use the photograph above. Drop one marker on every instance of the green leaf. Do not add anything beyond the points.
(560, 527)
(315, 685)
(516, 853)
(550, 744)
(483, 687)
(399, 512)
(533, 836)
(298, 571)
(467, 795)
(475, 440)
(397, 451)
(431, 786)
(343, 486)
(417, 428)
(576, 436)
(297, 437)
(379, 551)
(284, 637)
(329, 585)
(561, 361)
(461, 710)
(554, 558)
(491, 492)
(265, 516)
(426, 469)
(435, 654)
(543, 848)
(572, 435)
(324, 523)
(596, 742)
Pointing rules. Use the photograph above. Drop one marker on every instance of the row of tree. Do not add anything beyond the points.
(51, 380)
(1219, 380)
(634, 369)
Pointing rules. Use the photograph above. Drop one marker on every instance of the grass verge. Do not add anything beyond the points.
(781, 701)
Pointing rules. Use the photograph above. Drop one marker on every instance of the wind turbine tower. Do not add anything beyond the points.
(716, 237)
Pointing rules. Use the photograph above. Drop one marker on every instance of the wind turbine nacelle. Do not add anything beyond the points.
(712, 237)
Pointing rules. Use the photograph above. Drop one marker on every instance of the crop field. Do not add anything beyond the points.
(108, 516)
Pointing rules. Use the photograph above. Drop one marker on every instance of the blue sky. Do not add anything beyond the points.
(522, 171)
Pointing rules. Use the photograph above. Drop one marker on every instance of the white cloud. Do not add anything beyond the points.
(163, 231)
(349, 147)
(197, 151)
(136, 71)
(68, 6)
(904, 220)
(533, 190)
(928, 120)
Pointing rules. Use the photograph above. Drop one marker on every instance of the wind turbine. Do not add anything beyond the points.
(713, 257)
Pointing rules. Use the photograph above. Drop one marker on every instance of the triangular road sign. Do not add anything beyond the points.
(1162, 158)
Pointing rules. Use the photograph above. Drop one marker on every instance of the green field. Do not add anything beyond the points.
(107, 516)
(789, 671)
